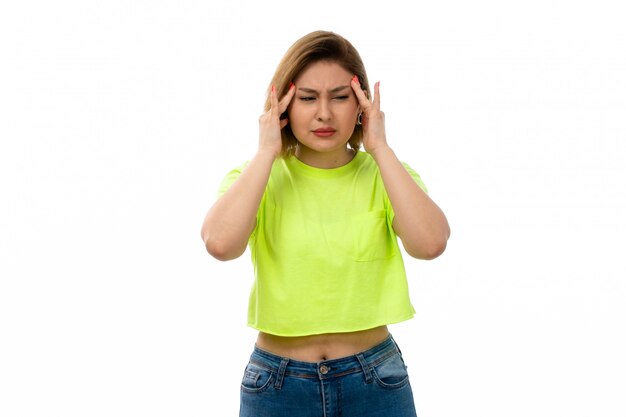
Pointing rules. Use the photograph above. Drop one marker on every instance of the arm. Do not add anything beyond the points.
(420, 223)
(230, 221)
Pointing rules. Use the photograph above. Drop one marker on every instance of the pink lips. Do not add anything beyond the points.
(324, 132)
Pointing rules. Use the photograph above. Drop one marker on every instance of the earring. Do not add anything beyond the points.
(358, 119)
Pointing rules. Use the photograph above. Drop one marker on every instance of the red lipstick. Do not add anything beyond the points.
(324, 132)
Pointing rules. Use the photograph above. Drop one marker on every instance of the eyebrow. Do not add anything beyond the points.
(334, 90)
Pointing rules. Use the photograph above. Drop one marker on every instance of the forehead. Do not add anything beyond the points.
(323, 73)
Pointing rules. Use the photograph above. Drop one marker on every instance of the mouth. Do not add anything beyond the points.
(324, 132)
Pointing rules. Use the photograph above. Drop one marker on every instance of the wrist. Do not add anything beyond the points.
(266, 154)
(380, 152)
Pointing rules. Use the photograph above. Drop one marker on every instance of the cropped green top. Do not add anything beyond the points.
(325, 256)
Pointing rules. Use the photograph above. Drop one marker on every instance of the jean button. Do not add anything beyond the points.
(324, 369)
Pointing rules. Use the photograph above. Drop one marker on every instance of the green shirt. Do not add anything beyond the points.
(325, 256)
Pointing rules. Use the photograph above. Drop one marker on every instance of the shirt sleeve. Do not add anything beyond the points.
(230, 178)
(416, 177)
(228, 181)
(418, 180)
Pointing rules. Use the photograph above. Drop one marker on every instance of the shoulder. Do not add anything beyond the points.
(231, 177)
(370, 163)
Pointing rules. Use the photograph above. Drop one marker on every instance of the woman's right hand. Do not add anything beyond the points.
(270, 123)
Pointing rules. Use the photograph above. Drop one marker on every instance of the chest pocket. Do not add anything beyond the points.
(372, 239)
(362, 237)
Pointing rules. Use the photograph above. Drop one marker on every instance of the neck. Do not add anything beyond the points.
(325, 160)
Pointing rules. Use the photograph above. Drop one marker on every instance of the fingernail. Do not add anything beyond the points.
(291, 85)
(273, 88)
(355, 79)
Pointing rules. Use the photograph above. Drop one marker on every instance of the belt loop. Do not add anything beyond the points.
(366, 369)
(396, 344)
(281, 373)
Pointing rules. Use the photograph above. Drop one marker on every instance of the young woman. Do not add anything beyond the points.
(321, 218)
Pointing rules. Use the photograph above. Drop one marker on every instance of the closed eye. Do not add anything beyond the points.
(341, 97)
(307, 98)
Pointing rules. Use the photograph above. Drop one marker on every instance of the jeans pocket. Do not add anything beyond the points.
(391, 373)
(256, 378)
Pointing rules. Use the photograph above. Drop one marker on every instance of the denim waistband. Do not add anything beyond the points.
(362, 361)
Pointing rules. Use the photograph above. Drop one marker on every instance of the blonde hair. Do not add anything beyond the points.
(314, 47)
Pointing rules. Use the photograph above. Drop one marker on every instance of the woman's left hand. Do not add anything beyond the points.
(372, 118)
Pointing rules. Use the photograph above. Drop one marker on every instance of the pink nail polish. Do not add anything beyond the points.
(355, 79)
(291, 85)
(273, 89)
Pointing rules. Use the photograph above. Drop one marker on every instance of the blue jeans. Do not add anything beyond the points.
(373, 383)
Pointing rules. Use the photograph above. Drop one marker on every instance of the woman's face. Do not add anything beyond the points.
(324, 110)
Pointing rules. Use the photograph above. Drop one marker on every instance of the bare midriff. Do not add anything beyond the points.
(322, 347)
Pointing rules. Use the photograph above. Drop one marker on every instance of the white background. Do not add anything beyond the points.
(119, 119)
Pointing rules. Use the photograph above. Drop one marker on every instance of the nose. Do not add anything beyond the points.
(323, 111)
